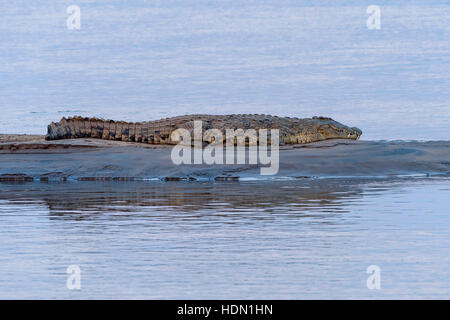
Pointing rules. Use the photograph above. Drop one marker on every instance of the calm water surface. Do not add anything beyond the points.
(300, 239)
(141, 60)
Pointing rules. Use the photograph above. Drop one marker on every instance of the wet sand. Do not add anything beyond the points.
(10, 143)
(28, 158)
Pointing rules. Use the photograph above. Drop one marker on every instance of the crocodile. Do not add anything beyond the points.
(291, 130)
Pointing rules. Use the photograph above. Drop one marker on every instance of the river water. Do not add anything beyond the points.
(311, 238)
(141, 60)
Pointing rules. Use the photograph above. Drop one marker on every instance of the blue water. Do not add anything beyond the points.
(292, 240)
(136, 60)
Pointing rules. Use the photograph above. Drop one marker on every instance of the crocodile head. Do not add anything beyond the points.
(331, 129)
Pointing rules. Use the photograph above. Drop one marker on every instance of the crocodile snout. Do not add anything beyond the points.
(356, 131)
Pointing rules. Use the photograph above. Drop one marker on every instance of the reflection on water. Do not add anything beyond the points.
(311, 238)
(197, 197)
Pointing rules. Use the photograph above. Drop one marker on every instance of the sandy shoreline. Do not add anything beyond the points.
(16, 143)
(19, 142)
(26, 158)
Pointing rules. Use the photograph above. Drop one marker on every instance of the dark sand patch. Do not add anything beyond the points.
(100, 160)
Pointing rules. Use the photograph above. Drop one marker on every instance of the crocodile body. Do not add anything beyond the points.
(291, 130)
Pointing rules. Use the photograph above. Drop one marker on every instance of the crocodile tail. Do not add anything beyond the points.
(75, 127)
(80, 127)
